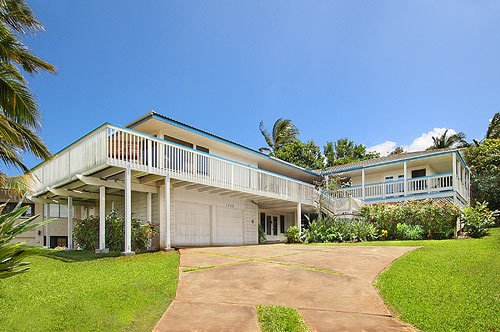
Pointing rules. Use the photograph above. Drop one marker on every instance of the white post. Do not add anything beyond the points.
(70, 222)
(405, 178)
(363, 183)
(47, 230)
(167, 212)
(128, 212)
(102, 221)
(454, 176)
(149, 207)
(299, 217)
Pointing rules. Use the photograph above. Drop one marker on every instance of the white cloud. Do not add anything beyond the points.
(420, 143)
(383, 148)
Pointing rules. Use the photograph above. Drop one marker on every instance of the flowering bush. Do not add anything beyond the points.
(86, 233)
(436, 219)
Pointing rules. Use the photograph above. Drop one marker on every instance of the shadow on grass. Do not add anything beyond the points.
(75, 255)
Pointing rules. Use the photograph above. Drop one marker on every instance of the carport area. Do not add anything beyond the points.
(331, 286)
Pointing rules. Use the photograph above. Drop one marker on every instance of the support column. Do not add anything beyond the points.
(102, 221)
(405, 178)
(128, 213)
(70, 223)
(149, 208)
(363, 183)
(298, 221)
(454, 176)
(167, 212)
(46, 227)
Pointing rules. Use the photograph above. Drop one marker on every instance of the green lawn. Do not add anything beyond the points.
(277, 318)
(78, 291)
(451, 285)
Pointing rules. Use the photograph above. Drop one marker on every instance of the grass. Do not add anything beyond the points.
(81, 291)
(451, 285)
(277, 318)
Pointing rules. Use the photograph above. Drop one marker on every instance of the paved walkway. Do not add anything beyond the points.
(331, 286)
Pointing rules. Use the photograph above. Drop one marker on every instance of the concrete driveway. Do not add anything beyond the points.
(331, 286)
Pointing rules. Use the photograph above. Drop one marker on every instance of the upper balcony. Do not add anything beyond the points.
(426, 174)
(428, 186)
(112, 146)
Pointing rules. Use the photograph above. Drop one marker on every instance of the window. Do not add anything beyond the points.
(10, 206)
(418, 173)
(282, 224)
(269, 225)
(57, 241)
(263, 221)
(177, 141)
(275, 225)
(59, 211)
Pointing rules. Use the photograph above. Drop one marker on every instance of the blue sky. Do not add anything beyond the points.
(374, 71)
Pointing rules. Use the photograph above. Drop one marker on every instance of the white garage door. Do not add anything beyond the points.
(229, 226)
(191, 224)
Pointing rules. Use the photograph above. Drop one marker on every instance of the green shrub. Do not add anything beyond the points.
(437, 219)
(328, 229)
(262, 235)
(293, 234)
(477, 219)
(86, 233)
(409, 232)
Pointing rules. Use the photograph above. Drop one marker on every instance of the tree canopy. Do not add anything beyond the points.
(307, 155)
(345, 151)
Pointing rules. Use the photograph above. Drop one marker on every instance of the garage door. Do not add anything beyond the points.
(229, 226)
(191, 224)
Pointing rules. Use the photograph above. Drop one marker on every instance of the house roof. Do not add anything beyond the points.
(384, 160)
(153, 115)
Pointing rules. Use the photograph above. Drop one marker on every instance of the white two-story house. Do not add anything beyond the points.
(202, 189)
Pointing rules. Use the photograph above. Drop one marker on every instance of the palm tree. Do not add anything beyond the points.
(19, 115)
(444, 141)
(494, 127)
(284, 132)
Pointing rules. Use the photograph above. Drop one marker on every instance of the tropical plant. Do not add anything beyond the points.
(409, 232)
(19, 115)
(283, 133)
(86, 233)
(330, 229)
(477, 219)
(13, 254)
(448, 141)
(293, 234)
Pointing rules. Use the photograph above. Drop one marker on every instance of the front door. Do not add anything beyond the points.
(272, 227)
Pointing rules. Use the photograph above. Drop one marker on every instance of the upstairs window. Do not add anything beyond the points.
(177, 141)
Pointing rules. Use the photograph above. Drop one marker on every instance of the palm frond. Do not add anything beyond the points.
(19, 16)
(266, 135)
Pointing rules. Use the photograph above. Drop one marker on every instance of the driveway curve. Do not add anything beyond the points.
(331, 286)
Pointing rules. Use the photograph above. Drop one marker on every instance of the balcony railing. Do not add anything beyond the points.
(114, 146)
(394, 189)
